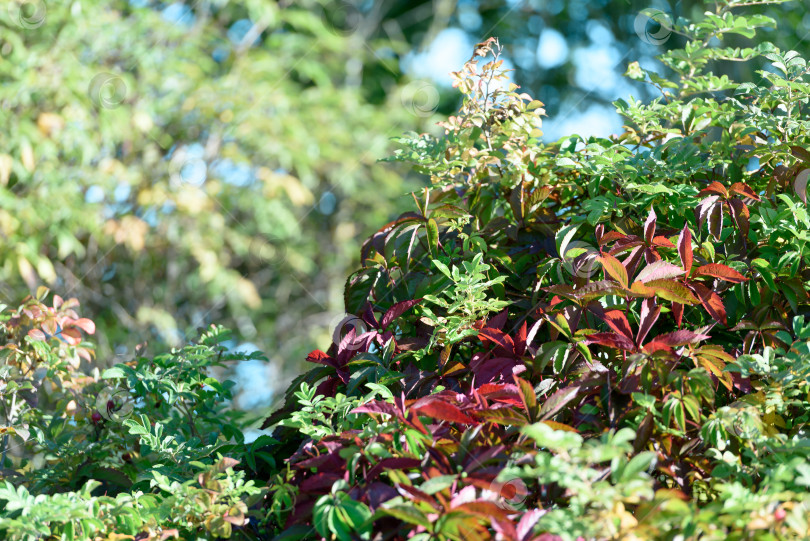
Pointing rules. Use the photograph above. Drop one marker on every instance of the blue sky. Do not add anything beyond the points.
(599, 67)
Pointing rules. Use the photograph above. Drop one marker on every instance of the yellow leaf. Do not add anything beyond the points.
(26, 272)
(45, 270)
(774, 419)
(50, 123)
(6, 162)
(560, 426)
(248, 292)
(27, 156)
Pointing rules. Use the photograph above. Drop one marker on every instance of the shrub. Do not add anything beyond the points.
(590, 339)
(148, 448)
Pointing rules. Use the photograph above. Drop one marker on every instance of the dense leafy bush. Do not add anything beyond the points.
(147, 448)
(594, 339)
(600, 338)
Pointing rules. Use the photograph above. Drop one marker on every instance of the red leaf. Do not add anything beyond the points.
(502, 392)
(397, 310)
(741, 384)
(527, 522)
(662, 242)
(499, 338)
(71, 336)
(800, 184)
(711, 301)
(86, 325)
(633, 259)
(614, 268)
(649, 315)
(533, 332)
(800, 153)
(320, 357)
(520, 344)
(743, 190)
(677, 313)
(674, 339)
(320, 481)
(435, 408)
(414, 493)
(715, 188)
(649, 227)
(720, 271)
(740, 215)
(618, 322)
(659, 270)
(483, 509)
(611, 236)
(611, 340)
(488, 368)
(36, 334)
(685, 249)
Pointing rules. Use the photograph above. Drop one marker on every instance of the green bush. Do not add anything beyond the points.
(146, 448)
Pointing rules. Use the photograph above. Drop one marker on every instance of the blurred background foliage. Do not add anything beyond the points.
(178, 164)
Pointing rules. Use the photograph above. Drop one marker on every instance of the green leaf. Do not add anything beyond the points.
(438, 483)
(443, 268)
(432, 236)
(114, 372)
(409, 514)
(639, 463)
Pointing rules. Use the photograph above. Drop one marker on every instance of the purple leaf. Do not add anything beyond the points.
(498, 321)
(377, 406)
(435, 408)
(397, 310)
(704, 208)
(716, 220)
(392, 464)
